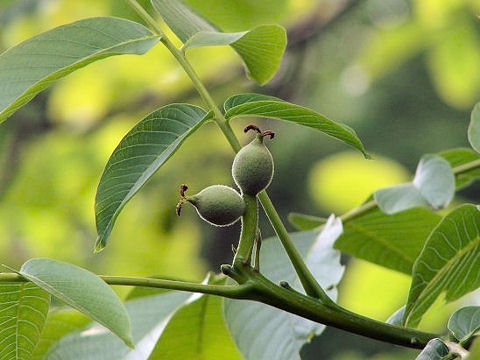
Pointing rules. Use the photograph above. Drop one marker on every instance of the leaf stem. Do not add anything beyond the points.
(146, 16)
(243, 255)
(229, 291)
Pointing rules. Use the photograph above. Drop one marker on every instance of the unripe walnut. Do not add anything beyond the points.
(252, 167)
(218, 205)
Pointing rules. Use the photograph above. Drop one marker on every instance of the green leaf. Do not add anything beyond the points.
(461, 156)
(448, 262)
(474, 128)
(23, 311)
(435, 350)
(145, 148)
(392, 241)
(82, 290)
(59, 323)
(31, 66)
(433, 185)
(247, 105)
(264, 333)
(260, 48)
(464, 323)
(149, 315)
(197, 331)
(305, 222)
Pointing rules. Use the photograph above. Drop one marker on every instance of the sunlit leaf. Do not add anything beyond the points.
(461, 156)
(82, 290)
(149, 314)
(197, 332)
(448, 262)
(248, 105)
(474, 351)
(59, 323)
(264, 333)
(305, 222)
(435, 350)
(138, 156)
(28, 68)
(392, 241)
(23, 311)
(260, 48)
(433, 185)
(465, 322)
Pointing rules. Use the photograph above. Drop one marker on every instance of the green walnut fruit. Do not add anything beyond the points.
(218, 205)
(252, 167)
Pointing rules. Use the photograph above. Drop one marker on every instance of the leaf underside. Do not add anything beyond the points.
(31, 66)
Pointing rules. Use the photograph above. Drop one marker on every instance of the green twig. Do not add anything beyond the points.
(243, 254)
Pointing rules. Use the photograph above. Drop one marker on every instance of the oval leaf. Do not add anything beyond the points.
(448, 262)
(82, 290)
(464, 323)
(31, 66)
(474, 128)
(139, 155)
(23, 311)
(435, 350)
(197, 331)
(264, 333)
(433, 185)
(392, 241)
(260, 48)
(149, 314)
(249, 105)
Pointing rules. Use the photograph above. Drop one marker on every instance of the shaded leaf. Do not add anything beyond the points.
(465, 322)
(392, 241)
(435, 350)
(145, 148)
(448, 262)
(474, 128)
(461, 156)
(264, 333)
(397, 317)
(59, 323)
(197, 331)
(31, 66)
(305, 222)
(23, 312)
(149, 314)
(248, 105)
(82, 290)
(433, 184)
(260, 48)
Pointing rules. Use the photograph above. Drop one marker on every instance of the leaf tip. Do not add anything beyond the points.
(100, 244)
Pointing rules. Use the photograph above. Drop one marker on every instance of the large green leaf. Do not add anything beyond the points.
(138, 156)
(461, 156)
(59, 323)
(433, 185)
(448, 262)
(82, 290)
(31, 66)
(262, 332)
(474, 128)
(23, 311)
(149, 315)
(465, 322)
(251, 105)
(261, 48)
(392, 241)
(197, 332)
(435, 350)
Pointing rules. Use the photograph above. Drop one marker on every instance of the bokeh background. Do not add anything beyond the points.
(405, 74)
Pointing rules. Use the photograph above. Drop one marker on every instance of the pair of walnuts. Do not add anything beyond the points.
(252, 171)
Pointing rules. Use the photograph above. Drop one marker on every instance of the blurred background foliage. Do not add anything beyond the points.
(403, 73)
